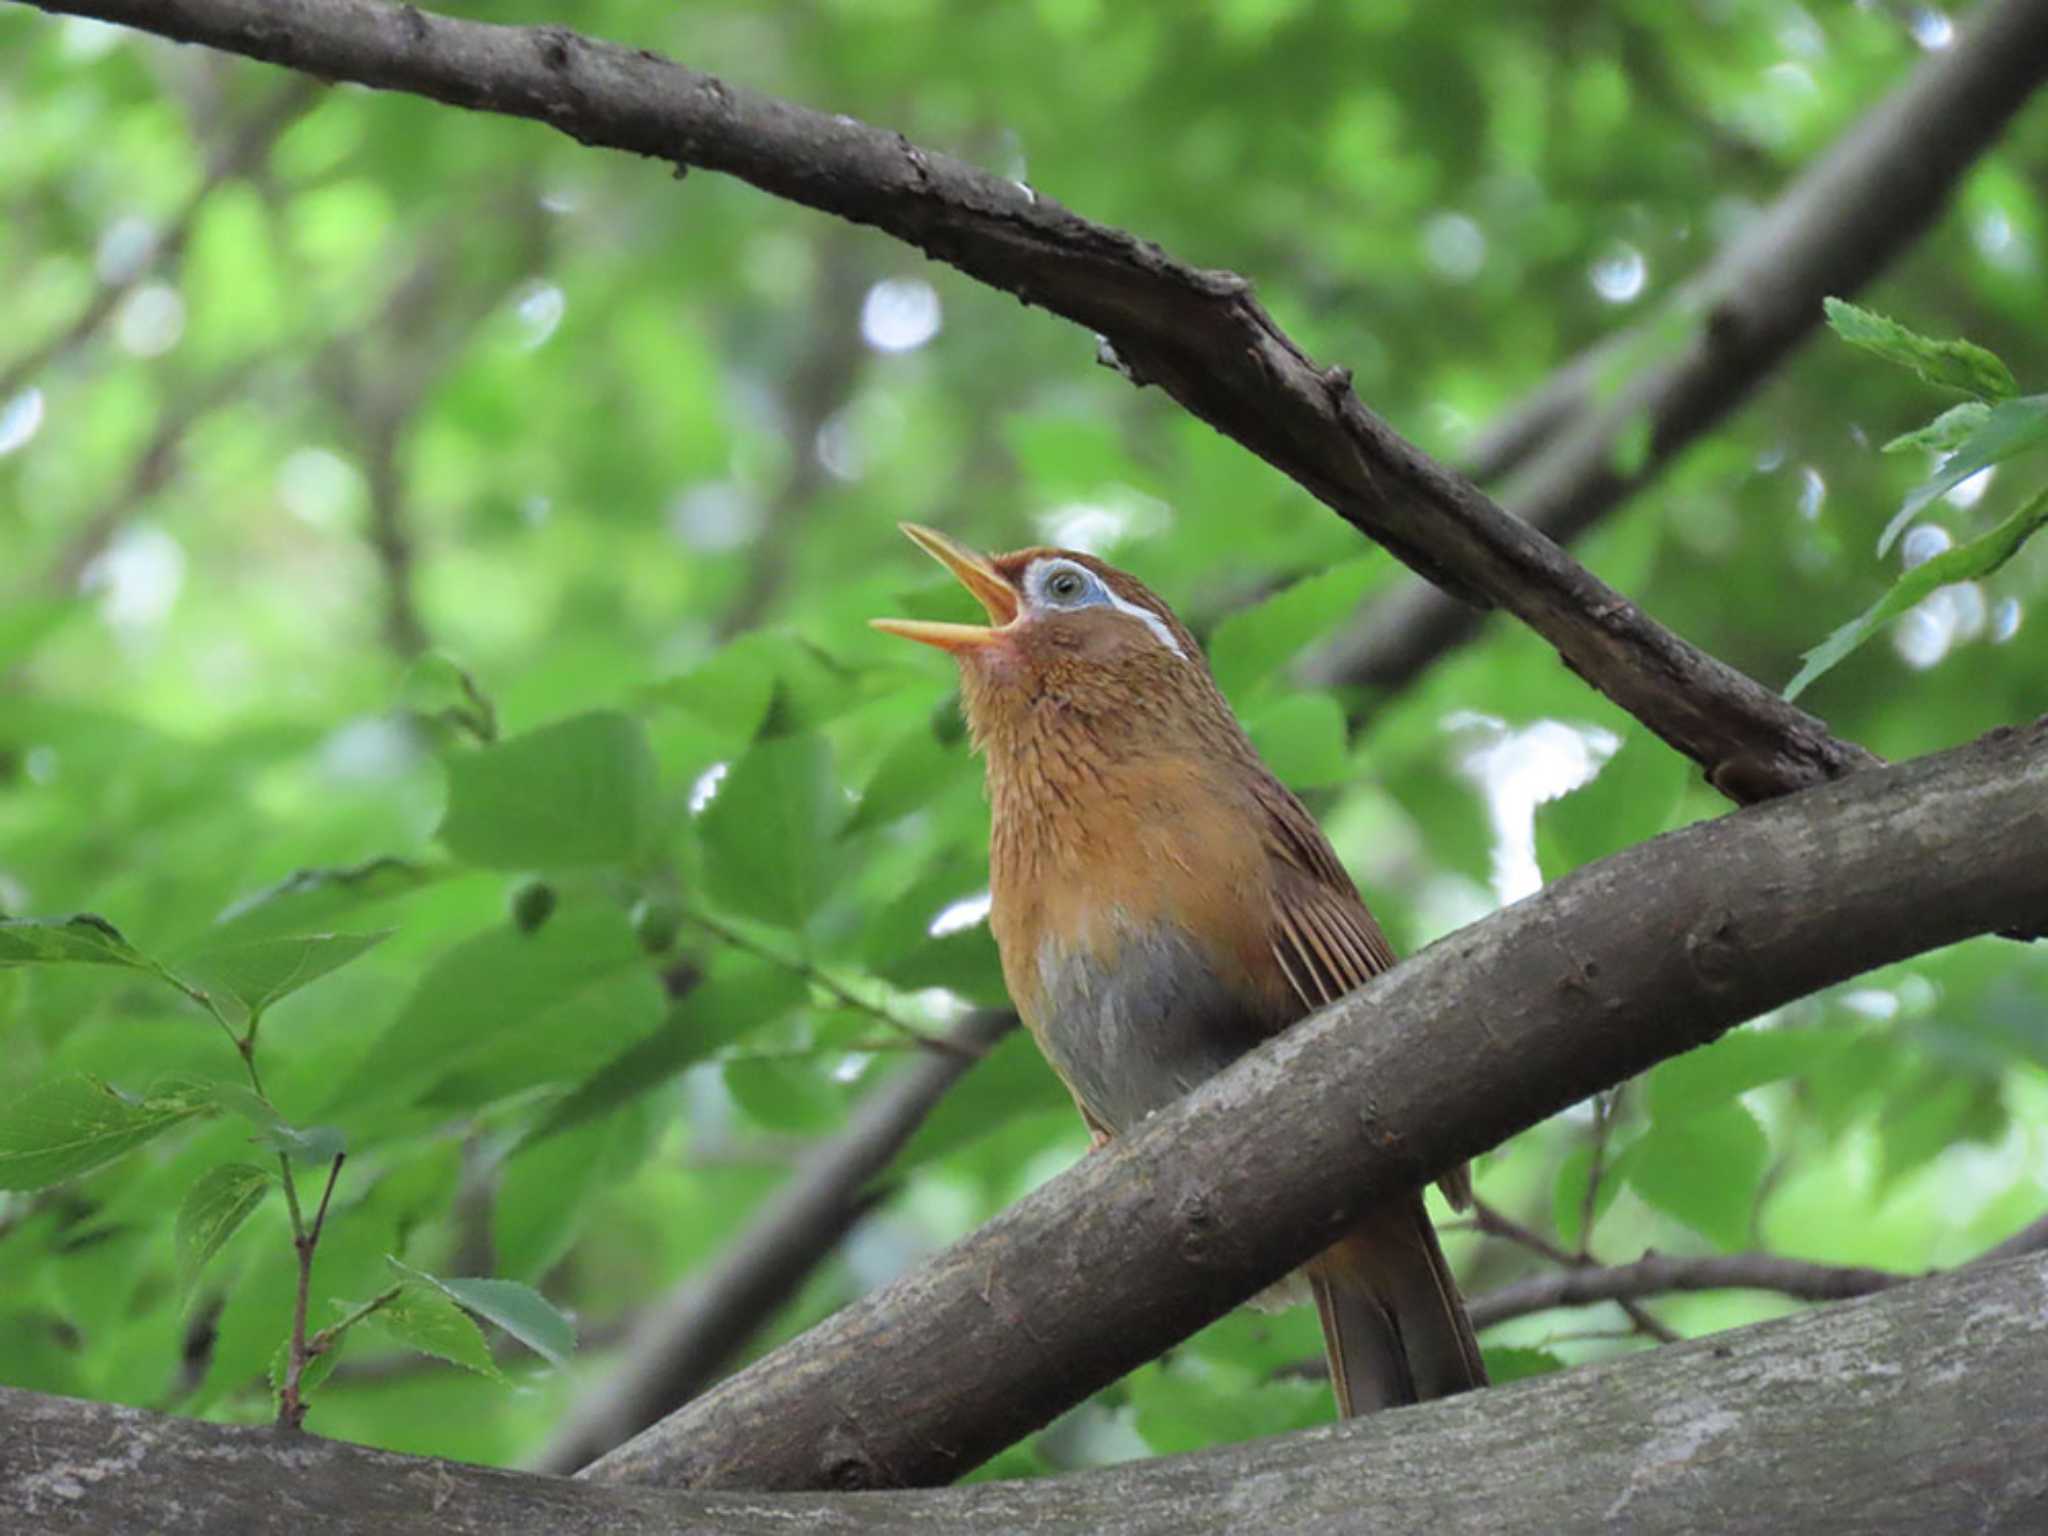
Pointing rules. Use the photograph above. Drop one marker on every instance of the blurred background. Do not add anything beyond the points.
(414, 521)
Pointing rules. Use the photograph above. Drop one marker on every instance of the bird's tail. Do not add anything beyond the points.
(1393, 1321)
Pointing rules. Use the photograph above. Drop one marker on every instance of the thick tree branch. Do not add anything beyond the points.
(1197, 334)
(1909, 1428)
(1855, 209)
(1630, 960)
(681, 1346)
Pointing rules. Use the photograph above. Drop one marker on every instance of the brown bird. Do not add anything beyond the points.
(1162, 904)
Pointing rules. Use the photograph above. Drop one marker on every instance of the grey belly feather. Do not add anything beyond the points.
(1134, 1037)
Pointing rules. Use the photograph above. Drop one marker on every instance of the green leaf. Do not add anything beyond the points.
(259, 972)
(318, 1369)
(2009, 430)
(580, 792)
(1703, 1169)
(1740, 1061)
(1568, 1194)
(487, 992)
(442, 689)
(1631, 799)
(1506, 1363)
(768, 834)
(81, 940)
(314, 1144)
(1253, 643)
(67, 1126)
(1957, 365)
(423, 1317)
(916, 770)
(1934, 1115)
(1966, 562)
(1303, 740)
(785, 1095)
(742, 994)
(518, 1309)
(310, 900)
(1946, 433)
(213, 1212)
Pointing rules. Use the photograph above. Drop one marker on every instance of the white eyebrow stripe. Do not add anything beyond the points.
(1152, 620)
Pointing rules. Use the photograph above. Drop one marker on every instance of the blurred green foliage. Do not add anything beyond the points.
(580, 928)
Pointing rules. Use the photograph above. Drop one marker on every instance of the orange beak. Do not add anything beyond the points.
(974, 572)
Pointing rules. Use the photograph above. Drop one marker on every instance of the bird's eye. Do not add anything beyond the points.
(1065, 586)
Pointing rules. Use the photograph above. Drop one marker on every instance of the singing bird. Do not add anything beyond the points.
(1162, 904)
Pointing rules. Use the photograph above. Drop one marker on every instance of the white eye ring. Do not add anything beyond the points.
(1085, 589)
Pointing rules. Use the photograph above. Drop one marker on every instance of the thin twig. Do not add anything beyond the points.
(1497, 1223)
(811, 974)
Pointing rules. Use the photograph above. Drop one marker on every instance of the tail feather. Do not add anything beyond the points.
(1393, 1321)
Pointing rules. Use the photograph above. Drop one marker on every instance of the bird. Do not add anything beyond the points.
(1162, 903)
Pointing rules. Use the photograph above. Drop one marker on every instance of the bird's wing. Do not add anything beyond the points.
(1322, 936)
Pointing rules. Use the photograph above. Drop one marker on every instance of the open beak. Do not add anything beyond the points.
(974, 572)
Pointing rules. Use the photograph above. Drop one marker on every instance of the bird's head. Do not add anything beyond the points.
(1065, 631)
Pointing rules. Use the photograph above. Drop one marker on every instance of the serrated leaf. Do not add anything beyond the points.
(580, 792)
(81, 940)
(2009, 430)
(310, 1144)
(1629, 800)
(422, 1317)
(1946, 433)
(1958, 365)
(1253, 643)
(68, 1126)
(768, 836)
(1966, 562)
(213, 1212)
(260, 972)
(518, 1309)
(1703, 1169)
(311, 900)
(1302, 738)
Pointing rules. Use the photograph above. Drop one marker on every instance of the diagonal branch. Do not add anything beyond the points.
(1197, 334)
(1630, 960)
(1834, 228)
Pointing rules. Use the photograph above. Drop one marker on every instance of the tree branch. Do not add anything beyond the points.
(1197, 334)
(1629, 960)
(1909, 1428)
(681, 1346)
(1844, 219)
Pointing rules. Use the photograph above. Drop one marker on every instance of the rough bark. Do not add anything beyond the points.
(1630, 960)
(681, 1346)
(1836, 226)
(1911, 1413)
(1197, 334)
